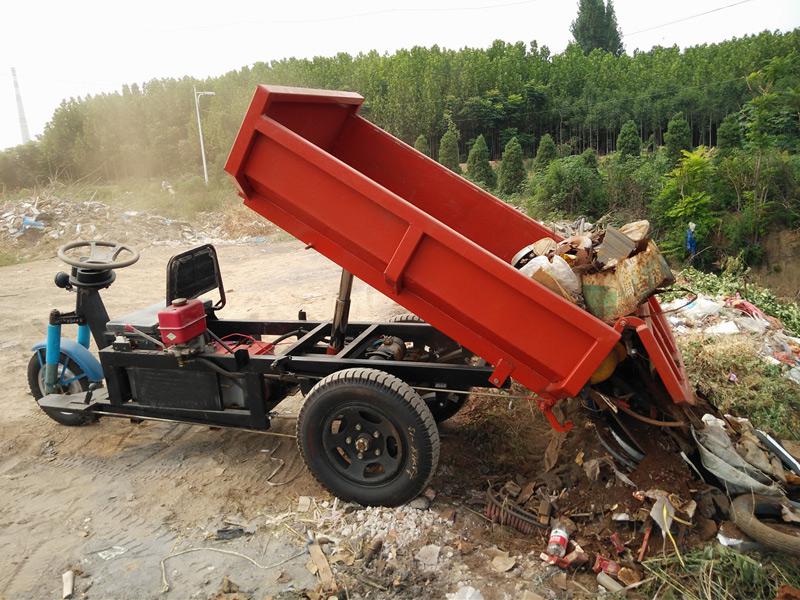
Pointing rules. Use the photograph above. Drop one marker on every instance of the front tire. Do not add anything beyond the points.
(71, 380)
(368, 437)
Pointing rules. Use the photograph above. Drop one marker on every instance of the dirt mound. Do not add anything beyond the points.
(35, 226)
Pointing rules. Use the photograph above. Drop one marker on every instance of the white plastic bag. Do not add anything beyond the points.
(558, 269)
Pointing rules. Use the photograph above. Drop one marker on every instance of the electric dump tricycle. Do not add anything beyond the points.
(428, 239)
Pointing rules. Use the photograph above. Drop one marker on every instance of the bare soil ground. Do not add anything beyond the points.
(112, 499)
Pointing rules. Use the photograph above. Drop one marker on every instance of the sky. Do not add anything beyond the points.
(69, 49)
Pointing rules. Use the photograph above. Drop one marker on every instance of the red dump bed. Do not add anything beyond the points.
(418, 233)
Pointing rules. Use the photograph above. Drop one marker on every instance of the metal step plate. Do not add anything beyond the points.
(73, 403)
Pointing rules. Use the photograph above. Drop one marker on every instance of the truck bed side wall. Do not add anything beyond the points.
(416, 232)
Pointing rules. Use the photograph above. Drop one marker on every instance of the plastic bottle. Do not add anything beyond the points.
(559, 538)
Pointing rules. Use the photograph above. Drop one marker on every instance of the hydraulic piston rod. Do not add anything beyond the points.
(341, 313)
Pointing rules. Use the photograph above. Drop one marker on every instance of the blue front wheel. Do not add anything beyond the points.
(71, 380)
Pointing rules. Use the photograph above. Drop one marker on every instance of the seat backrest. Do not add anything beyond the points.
(193, 273)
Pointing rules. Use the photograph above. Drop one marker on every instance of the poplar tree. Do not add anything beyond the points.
(596, 27)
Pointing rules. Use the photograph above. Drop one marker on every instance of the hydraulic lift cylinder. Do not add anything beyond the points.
(341, 313)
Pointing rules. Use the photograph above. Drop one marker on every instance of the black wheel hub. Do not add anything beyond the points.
(362, 444)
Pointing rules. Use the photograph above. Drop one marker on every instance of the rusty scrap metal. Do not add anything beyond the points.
(503, 510)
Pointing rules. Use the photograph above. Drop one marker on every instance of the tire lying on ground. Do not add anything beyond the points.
(743, 511)
(368, 437)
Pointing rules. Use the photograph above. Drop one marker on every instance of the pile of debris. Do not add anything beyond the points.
(594, 513)
(733, 315)
(34, 226)
(609, 271)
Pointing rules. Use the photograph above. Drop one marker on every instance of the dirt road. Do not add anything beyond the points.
(112, 499)
(68, 494)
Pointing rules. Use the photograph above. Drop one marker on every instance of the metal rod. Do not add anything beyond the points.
(471, 393)
(200, 129)
(341, 312)
(162, 420)
(465, 393)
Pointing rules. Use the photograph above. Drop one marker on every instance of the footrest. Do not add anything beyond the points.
(73, 403)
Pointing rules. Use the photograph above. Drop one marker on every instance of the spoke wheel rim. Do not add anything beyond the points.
(362, 444)
(67, 382)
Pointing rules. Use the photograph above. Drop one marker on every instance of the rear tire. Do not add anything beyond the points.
(405, 318)
(75, 381)
(368, 437)
(442, 405)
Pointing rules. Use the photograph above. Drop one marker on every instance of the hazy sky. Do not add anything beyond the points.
(63, 49)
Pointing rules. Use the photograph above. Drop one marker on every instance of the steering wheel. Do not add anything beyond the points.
(98, 260)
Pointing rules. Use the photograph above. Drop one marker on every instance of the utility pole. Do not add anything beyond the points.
(200, 129)
(23, 122)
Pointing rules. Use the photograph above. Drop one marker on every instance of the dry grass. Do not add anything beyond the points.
(501, 432)
(720, 573)
(237, 220)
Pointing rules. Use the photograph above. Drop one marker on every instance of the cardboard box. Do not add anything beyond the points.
(614, 293)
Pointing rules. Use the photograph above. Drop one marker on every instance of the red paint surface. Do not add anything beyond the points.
(423, 236)
(179, 324)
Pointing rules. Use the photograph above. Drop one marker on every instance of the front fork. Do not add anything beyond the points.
(52, 355)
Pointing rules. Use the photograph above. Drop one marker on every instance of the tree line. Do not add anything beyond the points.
(509, 90)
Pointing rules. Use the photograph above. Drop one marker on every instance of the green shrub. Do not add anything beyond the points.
(545, 153)
(572, 186)
(479, 169)
(629, 144)
(678, 137)
(686, 197)
(448, 150)
(421, 145)
(512, 169)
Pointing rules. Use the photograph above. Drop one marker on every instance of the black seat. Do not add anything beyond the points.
(189, 275)
(144, 319)
(193, 273)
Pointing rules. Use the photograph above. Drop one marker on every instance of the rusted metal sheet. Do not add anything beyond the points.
(617, 292)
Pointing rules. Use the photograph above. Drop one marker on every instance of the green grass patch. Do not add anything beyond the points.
(761, 393)
(720, 573)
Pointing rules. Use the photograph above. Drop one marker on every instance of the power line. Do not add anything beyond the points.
(681, 20)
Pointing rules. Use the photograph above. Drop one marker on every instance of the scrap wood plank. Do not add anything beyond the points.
(323, 568)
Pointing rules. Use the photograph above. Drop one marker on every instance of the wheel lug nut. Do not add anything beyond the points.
(348, 439)
(377, 452)
(358, 426)
(376, 434)
(360, 455)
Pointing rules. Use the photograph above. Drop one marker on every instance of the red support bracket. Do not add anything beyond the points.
(502, 371)
(546, 404)
(402, 256)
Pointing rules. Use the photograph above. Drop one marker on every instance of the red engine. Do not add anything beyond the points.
(182, 322)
